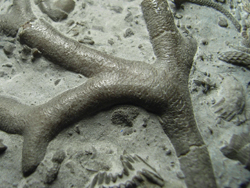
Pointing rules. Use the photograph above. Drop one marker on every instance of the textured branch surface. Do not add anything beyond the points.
(161, 88)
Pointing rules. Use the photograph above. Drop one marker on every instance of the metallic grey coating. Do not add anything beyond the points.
(161, 88)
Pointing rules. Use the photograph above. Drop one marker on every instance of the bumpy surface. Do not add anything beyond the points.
(161, 88)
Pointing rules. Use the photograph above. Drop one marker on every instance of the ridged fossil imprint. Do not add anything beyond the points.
(160, 88)
(136, 173)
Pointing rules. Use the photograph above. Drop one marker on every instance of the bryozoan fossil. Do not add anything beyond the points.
(160, 88)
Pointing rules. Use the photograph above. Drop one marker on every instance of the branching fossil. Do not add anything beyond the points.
(160, 88)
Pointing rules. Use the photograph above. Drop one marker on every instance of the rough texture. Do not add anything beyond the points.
(161, 88)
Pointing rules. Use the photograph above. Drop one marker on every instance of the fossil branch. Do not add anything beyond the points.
(161, 88)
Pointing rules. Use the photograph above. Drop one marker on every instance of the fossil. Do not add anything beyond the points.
(236, 58)
(160, 88)
(56, 10)
(231, 99)
(239, 149)
(136, 172)
(213, 5)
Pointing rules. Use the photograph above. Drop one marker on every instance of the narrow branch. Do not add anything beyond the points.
(67, 52)
(170, 47)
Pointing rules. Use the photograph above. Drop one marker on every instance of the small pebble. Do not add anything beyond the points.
(7, 65)
(223, 22)
(9, 48)
(111, 41)
(128, 33)
(2, 147)
(178, 16)
(117, 9)
(98, 28)
(77, 129)
(180, 175)
(168, 152)
(57, 82)
(140, 46)
(59, 156)
(87, 40)
(70, 23)
(83, 5)
(204, 42)
(75, 32)
(2, 73)
(129, 17)
(52, 174)
(128, 131)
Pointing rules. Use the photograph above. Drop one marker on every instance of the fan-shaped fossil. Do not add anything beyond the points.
(239, 149)
(57, 10)
(136, 172)
(231, 99)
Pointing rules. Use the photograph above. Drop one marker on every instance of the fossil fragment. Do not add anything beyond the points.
(136, 172)
(231, 99)
(239, 149)
(213, 5)
(57, 10)
(236, 58)
(246, 5)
